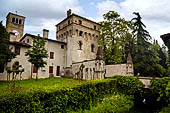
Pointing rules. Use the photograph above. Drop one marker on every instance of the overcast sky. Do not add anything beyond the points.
(45, 14)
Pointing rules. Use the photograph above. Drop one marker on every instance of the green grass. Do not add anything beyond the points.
(42, 84)
(47, 83)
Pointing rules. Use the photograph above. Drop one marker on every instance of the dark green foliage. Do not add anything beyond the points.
(158, 87)
(61, 100)
(128, 85)
(5, 52)
(146, 56)
(165, 110)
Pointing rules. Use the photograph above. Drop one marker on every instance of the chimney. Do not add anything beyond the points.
(68, 12)
(45, 33)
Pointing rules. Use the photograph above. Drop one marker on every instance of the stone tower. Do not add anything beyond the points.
(15, 24)
(81, 36)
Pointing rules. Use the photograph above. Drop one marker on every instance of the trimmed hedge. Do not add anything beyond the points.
(129, 85)
(62, 100)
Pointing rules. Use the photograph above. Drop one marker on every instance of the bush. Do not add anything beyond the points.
(158, 87)
(165, 110)
(113, 104)
(128, 85)
(59, 100)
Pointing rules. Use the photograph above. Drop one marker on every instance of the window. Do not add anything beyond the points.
(95, 27)
(80, 33)
(68, 22)
(62, 46)
(92, 48)
(13, 19)
(50, 69)
(35, 69)
(51, 55)
(20, 21)
(27, 40)
(80, 22)
(16, 20)
(17, 50)
(59, 27)
(80, 45)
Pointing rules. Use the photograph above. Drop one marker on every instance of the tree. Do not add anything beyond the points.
(116, 38)
(145, 55)
(5, 52)
(37, 53)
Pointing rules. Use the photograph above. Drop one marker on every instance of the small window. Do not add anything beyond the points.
(20, 21)
(68, 22)
(80, 22)
(92, 48)
(17, 20)
(50, 69)
(28, 40)
(80, 33)
(51, 55)
(17, 50)
(95, 27)
(62, 46)
(13, 19)
(80, 45)
(35, 69)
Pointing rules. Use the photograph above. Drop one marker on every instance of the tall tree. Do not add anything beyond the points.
(5, 52)
(145, 55)
(116, 38)
(37, 53)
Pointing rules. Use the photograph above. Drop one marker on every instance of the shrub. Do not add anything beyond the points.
(113, 104)
(128, 85)
(165, 110)
(59, 100)
(158, 87)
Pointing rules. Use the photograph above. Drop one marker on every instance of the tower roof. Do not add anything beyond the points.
(129, 59)
(99, 55)
(14, 15)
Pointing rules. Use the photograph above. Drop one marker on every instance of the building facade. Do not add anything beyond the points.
(74, 53)
(76, 41)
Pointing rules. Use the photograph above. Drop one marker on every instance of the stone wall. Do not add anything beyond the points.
(119, 69)
(88, 70)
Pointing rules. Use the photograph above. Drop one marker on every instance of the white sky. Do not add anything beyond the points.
(45, 14)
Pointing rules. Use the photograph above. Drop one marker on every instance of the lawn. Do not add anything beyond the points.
(47, 83)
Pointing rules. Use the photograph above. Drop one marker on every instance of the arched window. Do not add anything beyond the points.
(13, 19)
(17, 20)
(80, 45)
(20, 21)
(92, 47)
(80, 22)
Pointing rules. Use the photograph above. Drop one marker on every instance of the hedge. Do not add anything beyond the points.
(68, 99)
(61, 100)
(158, 87)
(129, 85)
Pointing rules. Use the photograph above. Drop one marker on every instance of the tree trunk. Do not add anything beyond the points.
(37, 75)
